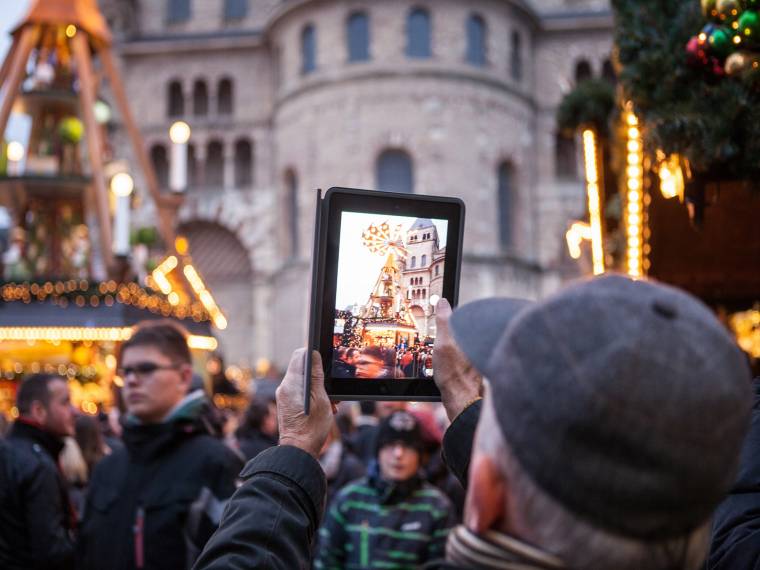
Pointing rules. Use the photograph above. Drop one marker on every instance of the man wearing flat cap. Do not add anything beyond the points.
(610, 427)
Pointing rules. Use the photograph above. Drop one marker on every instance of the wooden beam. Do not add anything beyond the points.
(8, 59)
(16, 72)
(81, 49)
(166, 205)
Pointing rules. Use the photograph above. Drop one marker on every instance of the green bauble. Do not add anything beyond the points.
(749, 26)
(728, 9)
(71, 129)
(709, 8)
(720, 42)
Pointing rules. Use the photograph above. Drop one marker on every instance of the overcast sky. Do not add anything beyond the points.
(358, 268)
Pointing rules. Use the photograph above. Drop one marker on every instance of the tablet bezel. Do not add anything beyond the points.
(338, 200)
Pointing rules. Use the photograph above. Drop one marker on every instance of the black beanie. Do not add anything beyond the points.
(399, 426)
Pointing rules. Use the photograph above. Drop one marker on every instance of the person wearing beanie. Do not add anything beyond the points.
(609, 429)
(391, 518)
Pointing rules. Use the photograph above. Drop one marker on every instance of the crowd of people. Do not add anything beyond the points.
(374, 361)
(608, 434)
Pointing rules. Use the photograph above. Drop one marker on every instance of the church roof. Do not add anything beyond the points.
(421, 224)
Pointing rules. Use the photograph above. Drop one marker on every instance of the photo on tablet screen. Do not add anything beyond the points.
(390, 277)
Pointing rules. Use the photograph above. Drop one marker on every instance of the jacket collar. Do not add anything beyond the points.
(496, 551)
(25, 428)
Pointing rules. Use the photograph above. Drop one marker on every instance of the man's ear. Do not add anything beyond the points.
(186, 377)
(38, 412)
(485, 508)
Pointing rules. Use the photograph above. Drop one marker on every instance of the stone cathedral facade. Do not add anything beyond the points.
(448, 97)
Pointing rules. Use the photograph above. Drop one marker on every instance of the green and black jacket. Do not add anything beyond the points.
(376, 524)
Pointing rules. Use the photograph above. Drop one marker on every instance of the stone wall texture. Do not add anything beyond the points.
(458, 122)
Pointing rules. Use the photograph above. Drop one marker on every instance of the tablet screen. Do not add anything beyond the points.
(390, 277)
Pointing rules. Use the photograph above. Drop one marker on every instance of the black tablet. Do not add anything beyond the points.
(381, 263)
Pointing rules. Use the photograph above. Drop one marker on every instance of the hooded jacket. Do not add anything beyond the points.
(36, 519)
(138, 509)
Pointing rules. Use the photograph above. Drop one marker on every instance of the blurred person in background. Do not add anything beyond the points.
(391, 517)
(3, 426)
(74, 470)
(36, 517)
(258, 429)
(340, 465)
(155, 503)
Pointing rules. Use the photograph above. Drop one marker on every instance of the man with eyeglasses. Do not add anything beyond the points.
(155, 503)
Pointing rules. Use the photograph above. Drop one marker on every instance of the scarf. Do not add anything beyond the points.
(495, 551)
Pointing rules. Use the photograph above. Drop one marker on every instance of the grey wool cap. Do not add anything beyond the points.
(626, 401)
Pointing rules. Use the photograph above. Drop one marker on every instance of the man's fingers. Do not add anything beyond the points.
(296, 364)
(442, 316)
(317, 374)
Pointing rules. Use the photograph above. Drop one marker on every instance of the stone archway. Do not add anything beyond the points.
(224, 263)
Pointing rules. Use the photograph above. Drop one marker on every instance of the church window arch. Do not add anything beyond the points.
(175, 99)
(476, 40)
(200, 98)
(394, 171)
(225, 96)
(418, 33)
(215, 164)
(357, 36)
(505, 203)
(160, 161)
(308, 49)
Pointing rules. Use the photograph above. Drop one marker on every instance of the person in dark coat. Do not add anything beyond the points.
(736, 523)
(36, 518)
(259, 428)
(591, 449)
(339, 463)
(153, 504)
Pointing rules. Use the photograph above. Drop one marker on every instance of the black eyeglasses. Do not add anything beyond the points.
(142, 369)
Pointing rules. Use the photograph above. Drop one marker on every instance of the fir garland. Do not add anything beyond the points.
(710, 119)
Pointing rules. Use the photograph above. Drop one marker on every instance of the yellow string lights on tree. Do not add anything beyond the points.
(635, 199)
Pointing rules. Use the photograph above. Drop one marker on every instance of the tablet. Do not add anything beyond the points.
(381, 263)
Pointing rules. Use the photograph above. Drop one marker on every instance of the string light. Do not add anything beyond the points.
(594, 201)
(577, 233)
(634, 211)
(93, 334)
(205, 296)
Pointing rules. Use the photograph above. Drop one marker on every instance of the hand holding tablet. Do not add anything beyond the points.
(381, 263)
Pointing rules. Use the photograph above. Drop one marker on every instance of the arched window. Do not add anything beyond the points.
(583, 71)
(200, 98)
(476, 40)
(178, 11)
(437, 267)
(175, 100)
(235, 9)
(418, 33)
(506, 191)
(414, 262)
(565, 160)
(291, 206)
(160, 164)
(308, 49)
(608, 72)
(423, 261)
(243, 163)
(516, 56)
(394, 172)
(225, 97)
(215, 164)
(358, 36)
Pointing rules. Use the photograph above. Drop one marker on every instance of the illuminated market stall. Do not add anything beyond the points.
(75, 280)
(672, 174)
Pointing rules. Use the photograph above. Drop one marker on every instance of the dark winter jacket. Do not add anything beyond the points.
(152, 505)
(376, 523)
(35, 516)
(736, 523)
(272, 518)
(253, 442)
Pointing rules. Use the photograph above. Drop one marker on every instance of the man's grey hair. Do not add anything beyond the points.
(548, 525)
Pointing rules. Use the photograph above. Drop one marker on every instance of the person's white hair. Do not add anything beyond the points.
(579, 544)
